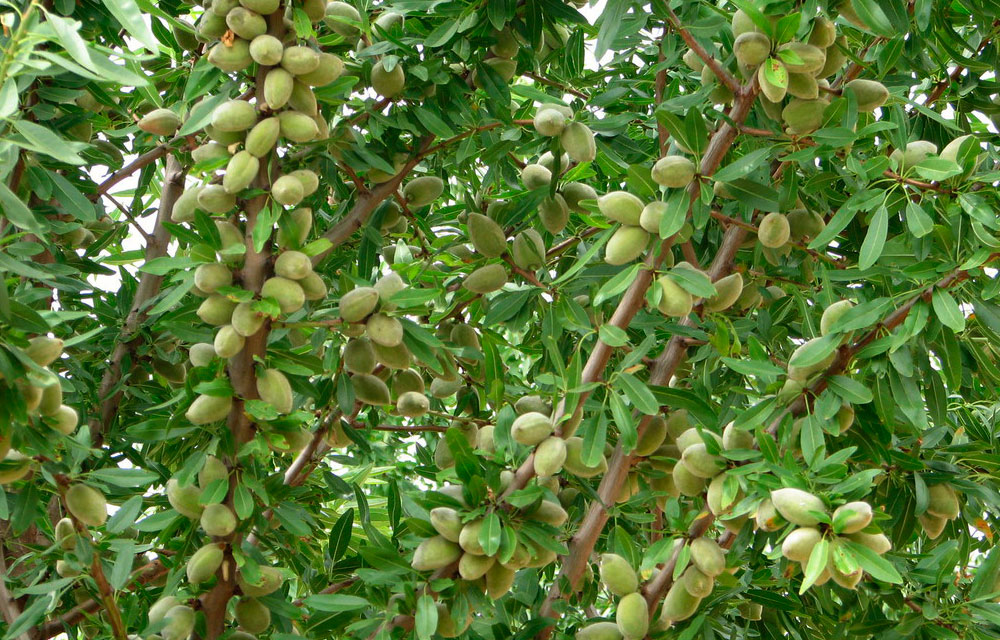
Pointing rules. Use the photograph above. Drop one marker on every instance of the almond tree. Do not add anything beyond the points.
(498, 319)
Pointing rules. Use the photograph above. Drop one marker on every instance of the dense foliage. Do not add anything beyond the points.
(498, 319)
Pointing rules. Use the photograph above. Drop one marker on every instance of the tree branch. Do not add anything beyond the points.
(139, 163)
(723, 75)
(149, 287)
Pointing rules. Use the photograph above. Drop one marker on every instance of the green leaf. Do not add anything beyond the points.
(617, 284)
(44, 140)
(340, 535)
(489, 533)
(18, 213)
(676, 213)
(612, 336)
(758, 368)
(817, 563)
(695, 282)
(850, 389)
(935, 168)
(872, 15)
(335, 602)
(917, 220)
(124, 477)
(638, 394)
(874, 564)
(426, 618)
(947, 310)
(129, 16)
(871, 248)
(201, 114)
(816, 351)
(743, 166)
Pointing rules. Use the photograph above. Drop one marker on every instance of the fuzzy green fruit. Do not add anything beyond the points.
(673, 171)
(298, 60)
(43, 350)
(277, 88)
(798, 545)
(549, 122)
(266, 50)
(708, 556)
(184, 499)
(632, 616)
(751, 48)
(87, 504)
(269, 582)
(160, 122)
(943, 501)
(803, 116)
(535, 176)
(810, 58)
(727, 290)
(412, 404)
(435, 553)
(245, 321)
(330, 68)
(773, 230)
(212, 276)
(180, 623)
(422, 191)
(359, 356)
(686, 482)
(528, 250)
(214, 198)
(204, 562)
(297, 127)
(218, 520)
(293, 265)
(273, 388)
(622, 207)
(617, 575)
(852, 517)
(208, 409)
(64, 420)
(230, 57)
(246, 24)
(486, 235)
(531, 428)
(832, 314)
(486, 279)
(554, 213)
(573, 193)
(371, 390)
(288, 293)
(185, 205)
(599, 631)
(625, 245)
(550, 456)
(342, 18)
(357, 304)
(773, 91)
(675, 301)
(795, 506)
(235, 115)
(384, 330)
(870, 94)
(252, 615)
(574, 460)
(697, 583)
(228, 342)
(578, 141)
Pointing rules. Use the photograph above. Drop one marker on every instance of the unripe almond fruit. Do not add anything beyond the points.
(531, 428)
(773, 230)
(528, 250)
(65, 420)
(422, 191)
(266, 50)
(204, 562)
(269, 582)
(942, 501)
(288, 293)
(727, 290)
(803, 116)
(297, 127)
(386, 82)
(218, 520)
(535, 176)
(435, 553)
(751, 48)
(273, 388)
(252, 615)
(228, 342)
(795, 506)
(798, 544)
(486, 235)
(632, 616)
(384, 330)
(550, 456)
(578, 141)
(87, 504)
(330, 68)
(208, 409)
(617, 575)
(599, 631)
(554, 213)
(369, 389)
(708, 556)
(625, 245)
(184, 499)
(852, 517)
(230, 57)
(673, 171)
(235, 115)
(675, 301)
(160, 122)
(622, 207)
(293, 265)
(298, 60)
(43, 350)
(549, 122)
(357, 304)
(486, 279)
(810, 58)
(214, 198)
(697, 583)
(870, 94)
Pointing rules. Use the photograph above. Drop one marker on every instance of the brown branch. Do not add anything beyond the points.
(366, 204)
(582, 543)
(142, 161)
(929, 186)
(718, 215)
(847, 352)
(148, 288)
(69, 620)
(558, 85)
(723, 75)
(656, 588)
(527, 275)
(570, 242)
(8, 605)
(410, 428)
